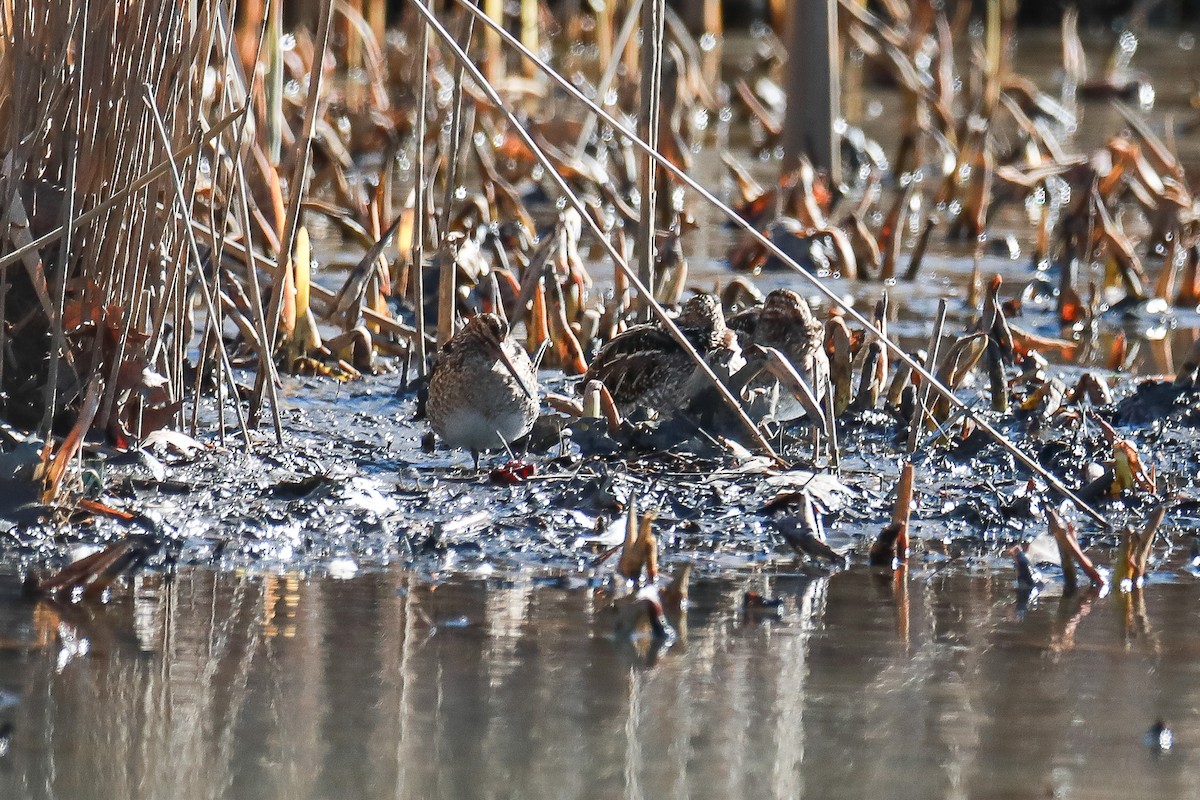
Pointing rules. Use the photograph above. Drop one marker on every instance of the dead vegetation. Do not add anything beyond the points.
(165, 175)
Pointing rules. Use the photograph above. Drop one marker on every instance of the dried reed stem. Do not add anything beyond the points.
(579, 206)
(773, 248)
(653, 26)
(418, 243)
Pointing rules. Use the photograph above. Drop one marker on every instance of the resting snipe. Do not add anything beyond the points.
(644, 367)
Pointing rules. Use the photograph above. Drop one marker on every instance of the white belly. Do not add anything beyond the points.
(483, 413)
(474, 429)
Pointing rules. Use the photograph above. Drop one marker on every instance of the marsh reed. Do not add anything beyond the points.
(139, 152)
(111, 297)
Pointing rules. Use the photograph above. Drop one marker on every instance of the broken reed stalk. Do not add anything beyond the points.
(890, 547)
(1070, 553)
(935, 342)
(837, 337)
(418, 241)
(773, 248)
(94, 573)
(902, 510)
(73, 442)
(640, 549)
(669, 324)
(205, 291)
(447, 287)
(296, 188)
(598, 402)
(651, 92)
(1135, 551)
(608, 406)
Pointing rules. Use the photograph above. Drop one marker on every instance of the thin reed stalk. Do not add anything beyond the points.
(420, 193)
(834, 298)
(653, 27)
(579, 206)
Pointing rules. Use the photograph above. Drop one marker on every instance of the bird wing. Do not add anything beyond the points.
(633, 362)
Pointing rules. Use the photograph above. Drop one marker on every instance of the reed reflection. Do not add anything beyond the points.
(208, 686)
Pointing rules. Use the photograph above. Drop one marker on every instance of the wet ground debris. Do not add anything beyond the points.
(91, 576)
(890, 547)
(1070, 554)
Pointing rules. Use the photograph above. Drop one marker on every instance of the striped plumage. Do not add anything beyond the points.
(483, 390)
(784, 321)
(644, 367)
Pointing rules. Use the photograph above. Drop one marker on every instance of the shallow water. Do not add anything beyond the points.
(390, 685)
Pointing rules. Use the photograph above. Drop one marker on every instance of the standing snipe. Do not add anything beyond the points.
(483, 389)
(784, 321)
(644, 367)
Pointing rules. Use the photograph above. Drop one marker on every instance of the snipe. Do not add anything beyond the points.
(784, 321)
(483, 390)
(644, 367)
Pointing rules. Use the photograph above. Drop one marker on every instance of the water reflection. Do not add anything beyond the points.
(866, 684)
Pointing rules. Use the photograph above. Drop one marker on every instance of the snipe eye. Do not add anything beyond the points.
(498, 326)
